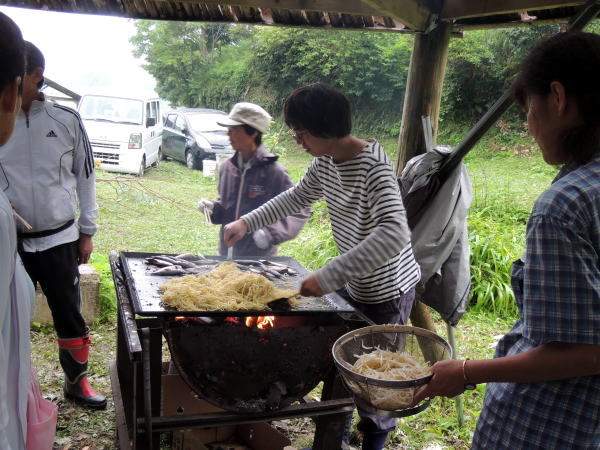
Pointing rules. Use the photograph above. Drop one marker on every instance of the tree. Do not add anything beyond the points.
(481, 66)
(178, 53)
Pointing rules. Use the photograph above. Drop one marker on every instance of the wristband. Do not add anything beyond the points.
(468, 384)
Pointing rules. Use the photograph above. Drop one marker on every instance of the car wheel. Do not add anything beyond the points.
(192, 161)
(159, 158)
(142, 168)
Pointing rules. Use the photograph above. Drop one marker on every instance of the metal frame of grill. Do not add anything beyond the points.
(137, 390)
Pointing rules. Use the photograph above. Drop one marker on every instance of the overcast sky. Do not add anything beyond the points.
(85, 53)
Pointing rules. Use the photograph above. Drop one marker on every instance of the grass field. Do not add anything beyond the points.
(157, 213)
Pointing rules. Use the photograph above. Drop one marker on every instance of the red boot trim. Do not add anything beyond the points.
(79, 348)
(74, 342)
(86, 389)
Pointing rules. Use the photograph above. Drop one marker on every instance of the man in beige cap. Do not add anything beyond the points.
(250, 178)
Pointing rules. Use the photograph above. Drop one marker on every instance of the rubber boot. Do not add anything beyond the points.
(73, 355)
(374, 441)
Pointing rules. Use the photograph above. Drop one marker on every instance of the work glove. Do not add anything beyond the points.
(205, 205)
(261, 239)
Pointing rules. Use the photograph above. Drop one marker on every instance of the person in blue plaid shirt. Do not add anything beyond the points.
(544, 383)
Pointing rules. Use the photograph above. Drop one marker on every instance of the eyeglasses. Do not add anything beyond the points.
(297, 135)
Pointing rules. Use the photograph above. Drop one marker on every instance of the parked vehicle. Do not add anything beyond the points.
(192, 135)
(125, 133)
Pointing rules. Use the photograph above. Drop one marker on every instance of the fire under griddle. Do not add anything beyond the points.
(146, 298)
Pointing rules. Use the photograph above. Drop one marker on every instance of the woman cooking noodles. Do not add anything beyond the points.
(543, 384)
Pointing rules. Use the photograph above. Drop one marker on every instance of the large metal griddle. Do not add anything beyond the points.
(145, 296)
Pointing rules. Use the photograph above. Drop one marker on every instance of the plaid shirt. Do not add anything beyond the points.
(557, 286)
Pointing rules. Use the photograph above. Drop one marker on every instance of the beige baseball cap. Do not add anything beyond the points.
(249, 114)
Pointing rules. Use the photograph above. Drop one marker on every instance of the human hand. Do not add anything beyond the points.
(447, 381)
(205, 205)
(310, 287)
(234, 231)
(85, 248)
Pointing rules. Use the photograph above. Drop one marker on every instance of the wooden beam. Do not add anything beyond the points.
(423, 91)
(462, 9)
(411, 13)
(458, 27)
(356, 7)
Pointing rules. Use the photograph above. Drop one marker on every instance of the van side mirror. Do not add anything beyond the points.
(150, 122)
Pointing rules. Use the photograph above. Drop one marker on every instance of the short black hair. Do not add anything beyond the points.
(250, 131)
(573, 59)
(12, 52)
(320, 109)
(35, 59)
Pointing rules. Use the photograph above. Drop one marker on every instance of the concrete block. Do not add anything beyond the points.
(89, 287)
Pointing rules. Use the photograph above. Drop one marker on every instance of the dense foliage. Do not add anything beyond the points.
(214, 66)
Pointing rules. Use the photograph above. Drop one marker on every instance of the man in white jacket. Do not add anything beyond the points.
(16, 290)
(48, 174)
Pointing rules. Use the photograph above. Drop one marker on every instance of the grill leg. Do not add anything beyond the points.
(330, 428)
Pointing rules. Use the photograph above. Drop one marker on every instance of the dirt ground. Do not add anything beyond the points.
(83, 429)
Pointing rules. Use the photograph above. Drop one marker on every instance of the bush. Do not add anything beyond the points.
(494, 245)
(108, 298)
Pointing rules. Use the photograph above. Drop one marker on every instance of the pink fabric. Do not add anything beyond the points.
(41, 417)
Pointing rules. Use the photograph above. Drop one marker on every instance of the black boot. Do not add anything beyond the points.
(374, 441)
(73, 355)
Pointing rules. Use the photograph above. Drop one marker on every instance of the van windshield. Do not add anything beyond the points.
(111, 109)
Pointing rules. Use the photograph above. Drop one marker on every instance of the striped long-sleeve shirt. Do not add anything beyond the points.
(368, 220)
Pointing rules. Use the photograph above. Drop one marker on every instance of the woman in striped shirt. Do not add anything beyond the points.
(376, 270)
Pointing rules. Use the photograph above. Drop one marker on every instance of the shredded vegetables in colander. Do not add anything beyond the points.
(386, 365)
(389, 366)
(224, 288)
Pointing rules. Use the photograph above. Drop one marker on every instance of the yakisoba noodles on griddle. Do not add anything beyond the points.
(224, 288)
(390, 366)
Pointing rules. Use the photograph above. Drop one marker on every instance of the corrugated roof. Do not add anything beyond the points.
(376, 15)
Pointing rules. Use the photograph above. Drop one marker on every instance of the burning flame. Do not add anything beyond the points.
(260, 322)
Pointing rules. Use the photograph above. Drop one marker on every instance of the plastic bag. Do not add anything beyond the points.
(41, 417)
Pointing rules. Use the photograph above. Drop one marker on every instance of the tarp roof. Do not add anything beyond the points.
(381, 15)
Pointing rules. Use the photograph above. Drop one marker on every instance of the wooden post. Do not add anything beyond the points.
(423, 98)
(423, 91)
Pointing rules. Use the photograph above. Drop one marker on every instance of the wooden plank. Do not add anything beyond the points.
(411, 13)
(123, 439)
(462, 9)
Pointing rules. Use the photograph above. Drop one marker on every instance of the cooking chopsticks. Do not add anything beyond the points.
(22, 221)
(207, 216)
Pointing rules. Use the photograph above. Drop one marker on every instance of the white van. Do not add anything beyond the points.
(125, 133)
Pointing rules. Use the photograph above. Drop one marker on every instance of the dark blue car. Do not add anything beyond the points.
(191, 135)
